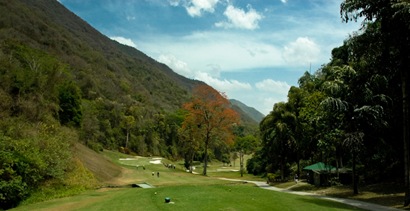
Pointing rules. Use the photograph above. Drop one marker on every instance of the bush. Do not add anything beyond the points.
(13, 187)
(254, 166)
(27, 162)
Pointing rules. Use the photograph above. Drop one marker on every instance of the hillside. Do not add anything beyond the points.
(64, 83)
(254, 114)
(102, 67)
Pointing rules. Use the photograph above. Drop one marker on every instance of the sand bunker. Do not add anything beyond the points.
(128, 159)
(155, 161)
(226, 170)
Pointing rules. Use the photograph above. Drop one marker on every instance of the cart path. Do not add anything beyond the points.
(356, 203)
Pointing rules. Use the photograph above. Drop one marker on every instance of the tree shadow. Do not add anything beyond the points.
(326, 204)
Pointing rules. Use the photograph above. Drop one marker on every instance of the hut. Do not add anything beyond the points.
(319, 173)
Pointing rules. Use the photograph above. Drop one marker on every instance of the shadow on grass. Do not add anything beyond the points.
(328, 204)
(386, 194)
(389, 201)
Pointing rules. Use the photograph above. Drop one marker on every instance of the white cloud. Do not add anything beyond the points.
(284, 1)
(301, 52)
(223, 85)
(174, 3)
(215, 52)
(211, 78)
(131, 18)
(196, 7)
(269, 85)
(178, 66)
(124, 41)
(238, 18)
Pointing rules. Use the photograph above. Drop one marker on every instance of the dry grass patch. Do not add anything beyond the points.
(102, 168)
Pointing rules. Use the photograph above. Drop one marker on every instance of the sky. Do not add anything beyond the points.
(251, 50)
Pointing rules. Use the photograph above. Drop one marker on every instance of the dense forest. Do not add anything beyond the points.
(354, 111)
(63, 83)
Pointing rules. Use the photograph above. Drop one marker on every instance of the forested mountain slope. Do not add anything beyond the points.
(63, 82)
(102, 67)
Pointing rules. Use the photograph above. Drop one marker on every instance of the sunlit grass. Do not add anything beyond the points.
(187, 191)
(228, 196)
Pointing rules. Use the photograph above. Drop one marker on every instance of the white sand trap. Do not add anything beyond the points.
(155, 161)
(156, 158)
(128, 159)
(226, 170)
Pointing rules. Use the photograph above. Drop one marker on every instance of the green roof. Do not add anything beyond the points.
(319, 167)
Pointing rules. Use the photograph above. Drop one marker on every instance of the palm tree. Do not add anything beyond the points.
(278, 132)
(391, 18)
(351, 97)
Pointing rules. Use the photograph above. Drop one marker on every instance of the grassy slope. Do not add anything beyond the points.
(187, 191)
(102, 168)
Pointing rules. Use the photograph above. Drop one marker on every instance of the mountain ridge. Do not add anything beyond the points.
(253, 113)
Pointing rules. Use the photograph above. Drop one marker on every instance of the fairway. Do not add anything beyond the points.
(230, 196)
(186, 191)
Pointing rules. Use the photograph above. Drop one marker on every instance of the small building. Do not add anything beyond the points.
(319, 173)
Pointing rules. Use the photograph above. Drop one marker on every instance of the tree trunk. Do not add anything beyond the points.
(282, 168)
(128, 136)
(355, 178)
(206, 156)
(241, 162)
(298, 164)
(406, 137)
(191, 160)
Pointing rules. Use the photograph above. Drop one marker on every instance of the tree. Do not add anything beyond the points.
(277, 131)
(190, 143)
(296, 102)
(391, 17)
(210, 113)
(70, 112)
(245, 145)
(128, 122)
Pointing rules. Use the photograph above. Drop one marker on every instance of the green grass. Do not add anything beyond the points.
(187, 191)
(229, 196)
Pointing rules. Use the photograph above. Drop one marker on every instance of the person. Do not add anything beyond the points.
(296, 178)
(158, 174)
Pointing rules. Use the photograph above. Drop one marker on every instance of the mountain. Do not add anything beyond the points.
(102, 67)
(51, 57)
(62, 83)
(250, 112)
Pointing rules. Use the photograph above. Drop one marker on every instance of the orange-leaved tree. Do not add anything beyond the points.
(210, 116)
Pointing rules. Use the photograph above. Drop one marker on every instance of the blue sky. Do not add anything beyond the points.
(252, 50)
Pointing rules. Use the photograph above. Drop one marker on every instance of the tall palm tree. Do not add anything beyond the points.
(391, 17)
(278, 133)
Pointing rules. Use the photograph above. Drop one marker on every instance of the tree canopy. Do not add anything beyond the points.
(353, 111)
(209, 118)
